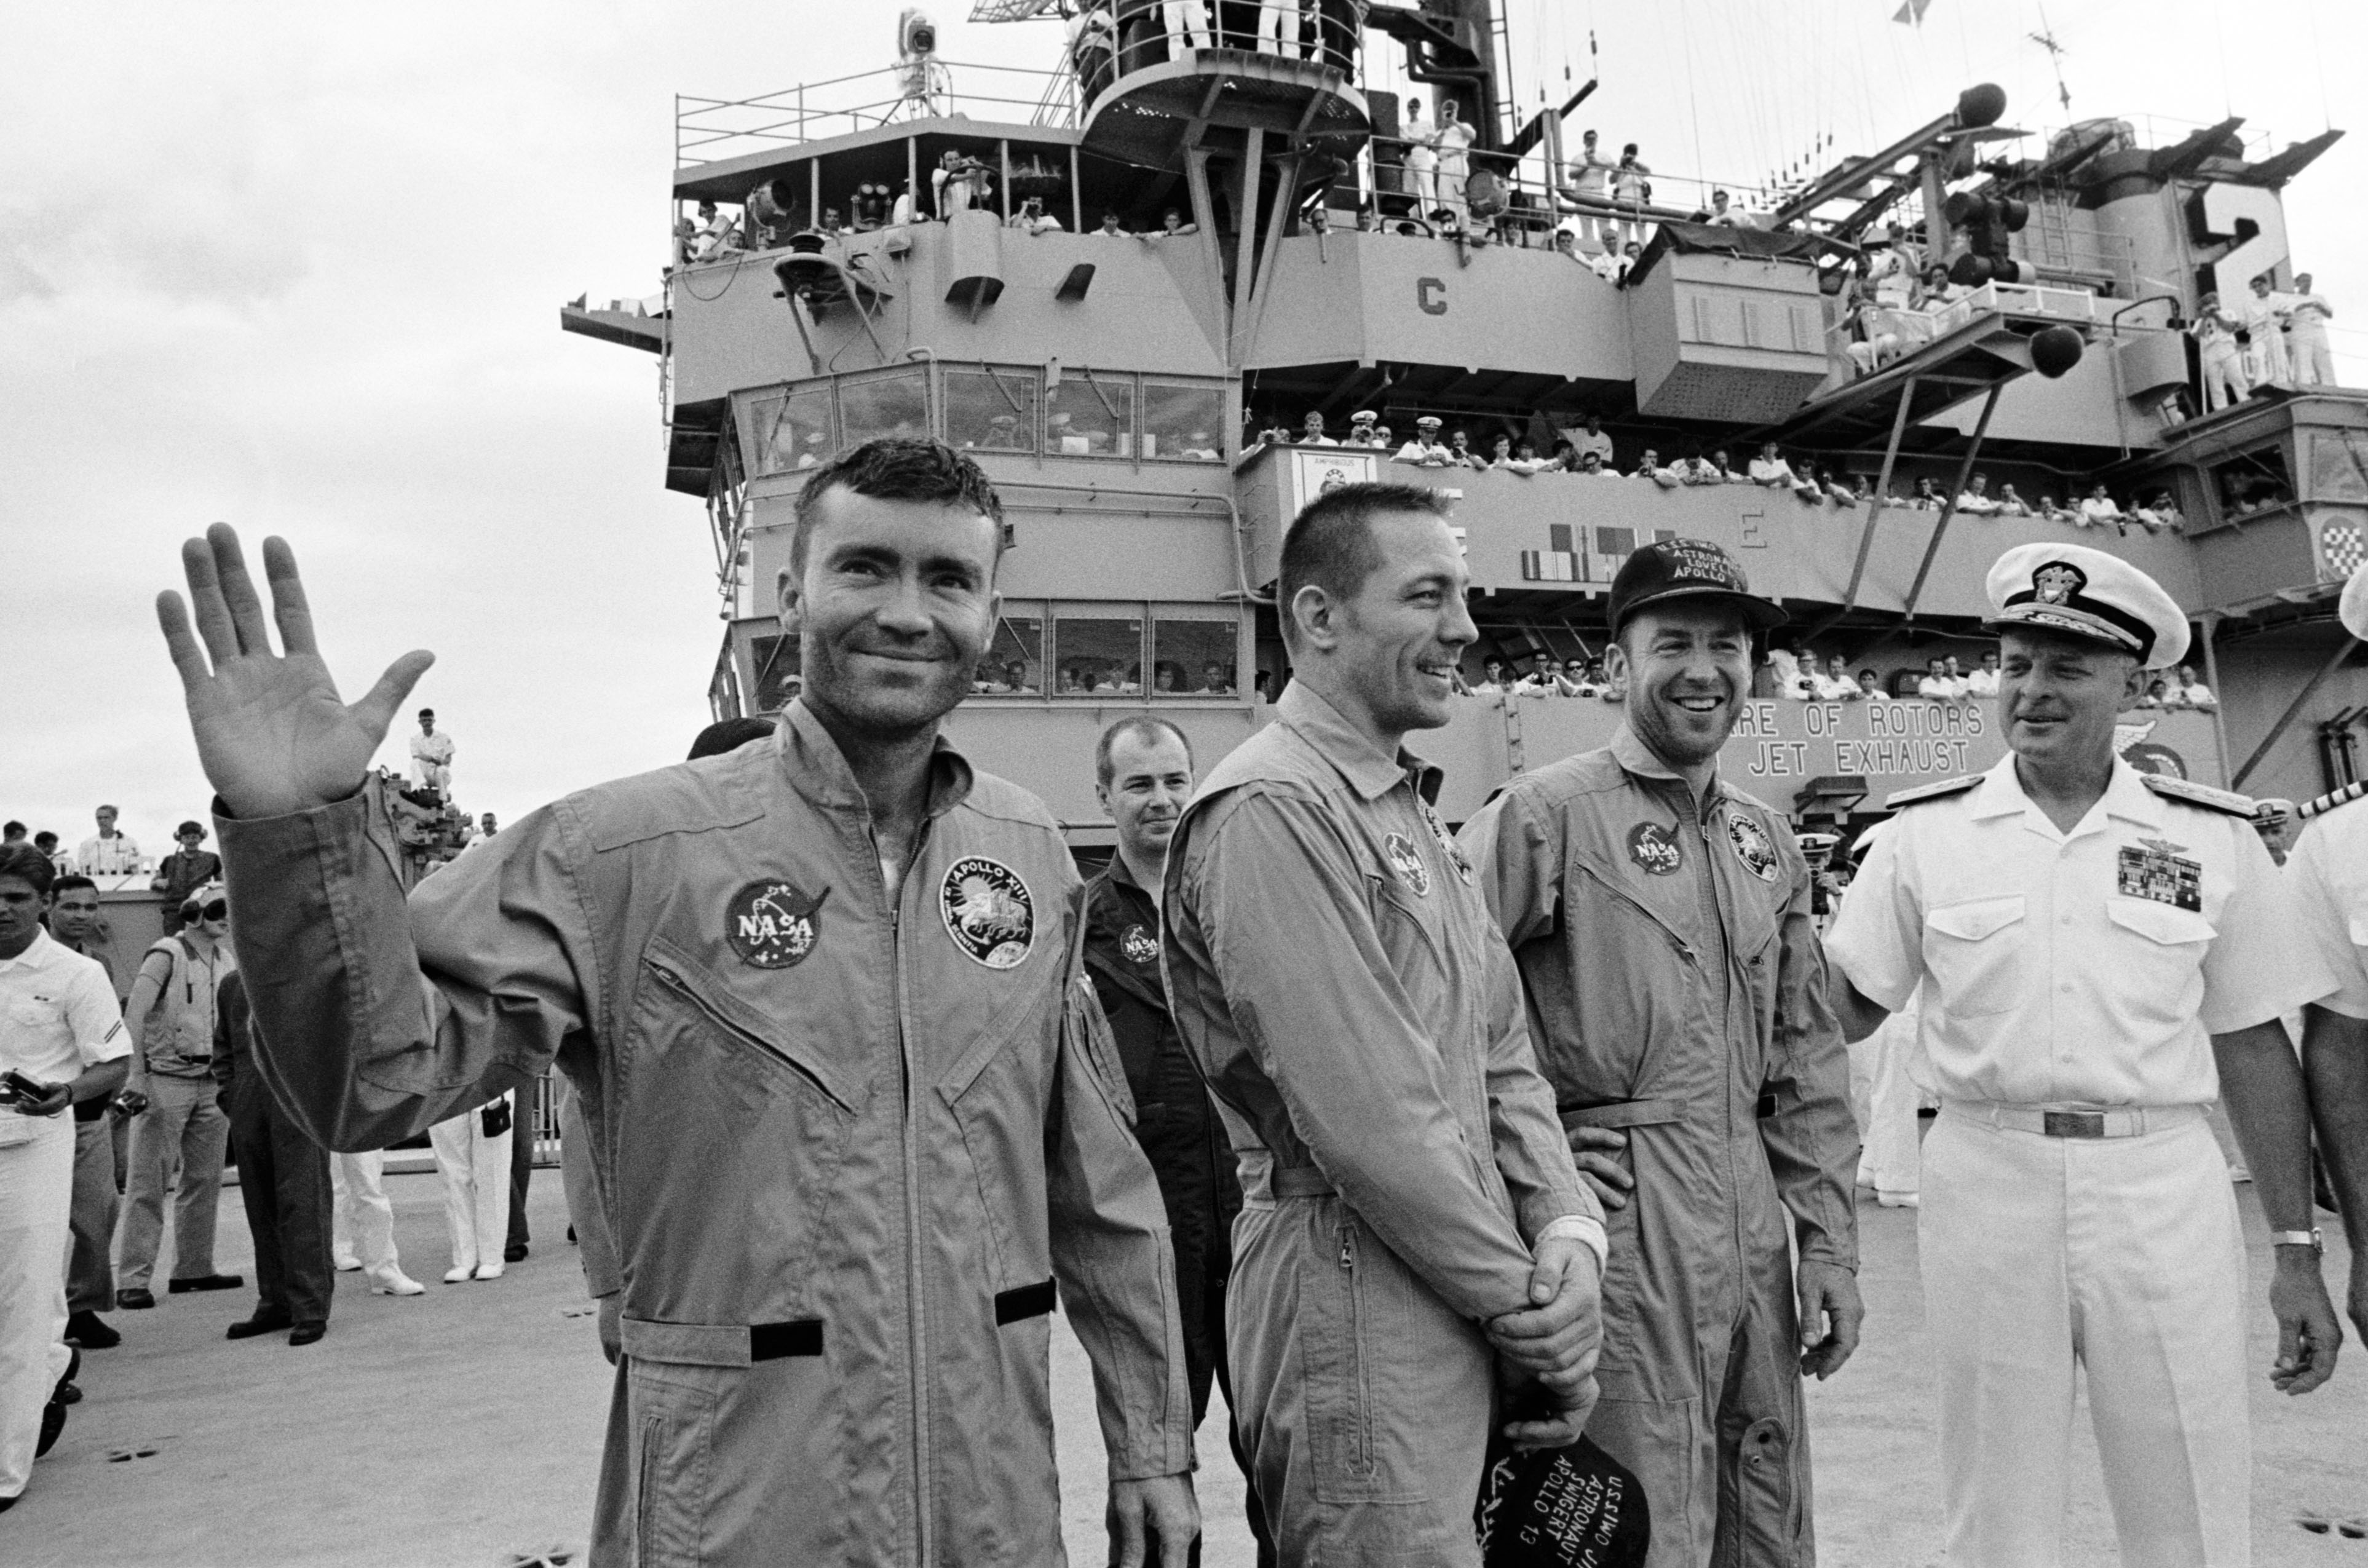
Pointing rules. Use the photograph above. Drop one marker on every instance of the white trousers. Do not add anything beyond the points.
(2314, 363)
(2116, 1256)
(476, 1171)
(2266, 360)
(2224, 380)
(363, 1223)
(1884, 1097)
(1187, 26)
(36, 1210)
(1278, 28)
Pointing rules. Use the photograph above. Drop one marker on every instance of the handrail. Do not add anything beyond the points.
(928, 86)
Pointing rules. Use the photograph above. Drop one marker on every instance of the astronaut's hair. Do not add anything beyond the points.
(28, 866)
(897, 469)
(1331, 545)
(1142, 724)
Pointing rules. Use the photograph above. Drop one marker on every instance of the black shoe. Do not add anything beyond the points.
(73, 1368)
(133, 1299)
(9, 1502)
(514, 1254)
(54, 1421)
(306, 1333)
(91, 1332)
(207, 1282)
(66, 1393)
(263, 1322)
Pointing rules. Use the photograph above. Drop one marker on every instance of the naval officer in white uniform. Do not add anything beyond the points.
(2329, 871)
(2100, 954)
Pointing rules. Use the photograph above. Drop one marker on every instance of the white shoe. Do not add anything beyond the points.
(489, 1271)
(1898, 1199)
(395, 1282)
(458, 1273)
(348, 1264)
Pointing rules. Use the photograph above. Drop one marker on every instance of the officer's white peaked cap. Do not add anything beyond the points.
(2086, 593)
(2353, 608)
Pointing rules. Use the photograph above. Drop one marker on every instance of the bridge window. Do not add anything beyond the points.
(2339, 465)
(990, 410)
(1095, 653)
(1194, 653)
(1014, 664)
(1090, 415)
(1185, 423)
(788, 430)
(895, 402)
(2253, 482)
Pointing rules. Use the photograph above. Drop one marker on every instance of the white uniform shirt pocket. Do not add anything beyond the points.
(2159, 977)
(1974, 950)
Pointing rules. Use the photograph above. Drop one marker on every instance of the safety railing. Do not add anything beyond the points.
(709, 129)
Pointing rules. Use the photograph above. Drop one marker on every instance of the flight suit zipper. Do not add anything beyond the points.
(916, 1326)
(674, 981)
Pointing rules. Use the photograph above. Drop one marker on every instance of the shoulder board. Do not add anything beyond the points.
(2329, 801)
(1941, 791)
(2203, 795)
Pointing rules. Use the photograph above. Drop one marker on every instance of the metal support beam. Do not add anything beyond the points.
(2286, 719)
(1286, 193)
(1948, 502)
(1245, 207)
(2212, 677)
(1882, 495)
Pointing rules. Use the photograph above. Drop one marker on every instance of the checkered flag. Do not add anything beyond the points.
(2342, 548)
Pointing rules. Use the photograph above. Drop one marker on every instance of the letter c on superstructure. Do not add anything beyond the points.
(1430, 294)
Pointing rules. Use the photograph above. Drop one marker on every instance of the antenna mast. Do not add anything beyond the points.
(2045, 39)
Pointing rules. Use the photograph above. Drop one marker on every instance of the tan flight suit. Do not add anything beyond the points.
(1677, 992)
(1333, 971)
(845, 1142)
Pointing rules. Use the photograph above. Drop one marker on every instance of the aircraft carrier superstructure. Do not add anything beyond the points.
(1280, 255)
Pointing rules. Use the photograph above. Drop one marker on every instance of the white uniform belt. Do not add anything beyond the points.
(2128, 1121)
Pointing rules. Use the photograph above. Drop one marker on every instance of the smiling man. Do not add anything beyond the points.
(1412, 1222)
(2097, 955)
(821, 1002)
(1661, 921)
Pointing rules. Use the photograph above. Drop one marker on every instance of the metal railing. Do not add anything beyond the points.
(709, 129)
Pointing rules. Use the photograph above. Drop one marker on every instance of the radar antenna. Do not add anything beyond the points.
(2045, 39)
(1011, 10)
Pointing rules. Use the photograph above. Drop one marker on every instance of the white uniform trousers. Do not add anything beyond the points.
(476, 1171)
(1187, 26)
(1887, 1105)
(1278, 28)
(2224, 383)
(2266, 360)
(2120, 1256)
(2314, 362)
(36, 1205)
(363, 1226)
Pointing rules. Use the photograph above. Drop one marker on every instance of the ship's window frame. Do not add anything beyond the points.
(917, 374)
(1032, 439)
(1170, 612)
(2336, 450)
(1129, 430)
(1148, 615)
(1037, 610)
(1223, 424)
(763, 408)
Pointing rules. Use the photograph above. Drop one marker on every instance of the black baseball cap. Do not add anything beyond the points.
(1684, 568)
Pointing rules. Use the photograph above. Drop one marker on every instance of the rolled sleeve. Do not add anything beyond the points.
(1321, 1009)
(2329, 889)
(2255, 970)
(1877, 937)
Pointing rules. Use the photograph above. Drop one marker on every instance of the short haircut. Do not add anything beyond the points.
(187, 828)
(44, 839)
(426, 714)
(1142, 724)
(896, 468)
(726, 735)
(14, 830)
(70, 882)
(107, 809)
(28, 866)
(1330, 544)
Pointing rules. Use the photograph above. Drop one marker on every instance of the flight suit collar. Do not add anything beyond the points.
(817, 769)
(2125, 797)
(1358, 760)
(1629, 750)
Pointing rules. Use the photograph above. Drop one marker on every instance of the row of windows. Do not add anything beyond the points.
(986, 408)
(1091, 650)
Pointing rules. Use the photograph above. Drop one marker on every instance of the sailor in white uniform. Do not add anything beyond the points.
(2308, 313)
(2100, 954)
(2328, 869)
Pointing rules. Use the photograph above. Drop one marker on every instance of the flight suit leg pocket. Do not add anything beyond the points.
(1767, 1516)
(1351, 1317)
(673, 1423)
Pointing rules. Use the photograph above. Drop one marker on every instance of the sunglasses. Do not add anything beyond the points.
(217, 910)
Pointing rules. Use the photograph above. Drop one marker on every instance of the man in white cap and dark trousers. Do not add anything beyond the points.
(2327, 868)
(1676, 998)
(2100, 954)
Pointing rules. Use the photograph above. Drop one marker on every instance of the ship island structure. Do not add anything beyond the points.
(1124, 284)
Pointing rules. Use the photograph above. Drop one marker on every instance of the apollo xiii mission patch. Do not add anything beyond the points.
(1752, 846)
(771, 925)
(988, 912)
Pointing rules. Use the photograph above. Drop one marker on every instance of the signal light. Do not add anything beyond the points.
(1987, 220)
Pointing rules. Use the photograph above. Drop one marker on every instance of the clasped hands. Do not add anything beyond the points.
(1554, 1342)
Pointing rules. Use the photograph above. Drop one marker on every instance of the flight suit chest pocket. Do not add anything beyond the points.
(1974, 950)
(1413, 942)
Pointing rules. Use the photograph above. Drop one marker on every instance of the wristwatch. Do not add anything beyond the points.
(2309, 1238)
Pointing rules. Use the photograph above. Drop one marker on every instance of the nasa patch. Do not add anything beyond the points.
(1409, 864)
(1136, 944)
(771, 925)
(988, 912)
(1752, 846)
(1653, 845)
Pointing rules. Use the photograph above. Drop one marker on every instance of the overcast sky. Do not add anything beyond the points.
(299, 267)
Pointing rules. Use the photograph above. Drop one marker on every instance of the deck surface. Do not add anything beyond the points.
(463, 1425)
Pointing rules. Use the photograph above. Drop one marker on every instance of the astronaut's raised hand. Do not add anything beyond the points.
(273, 736)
